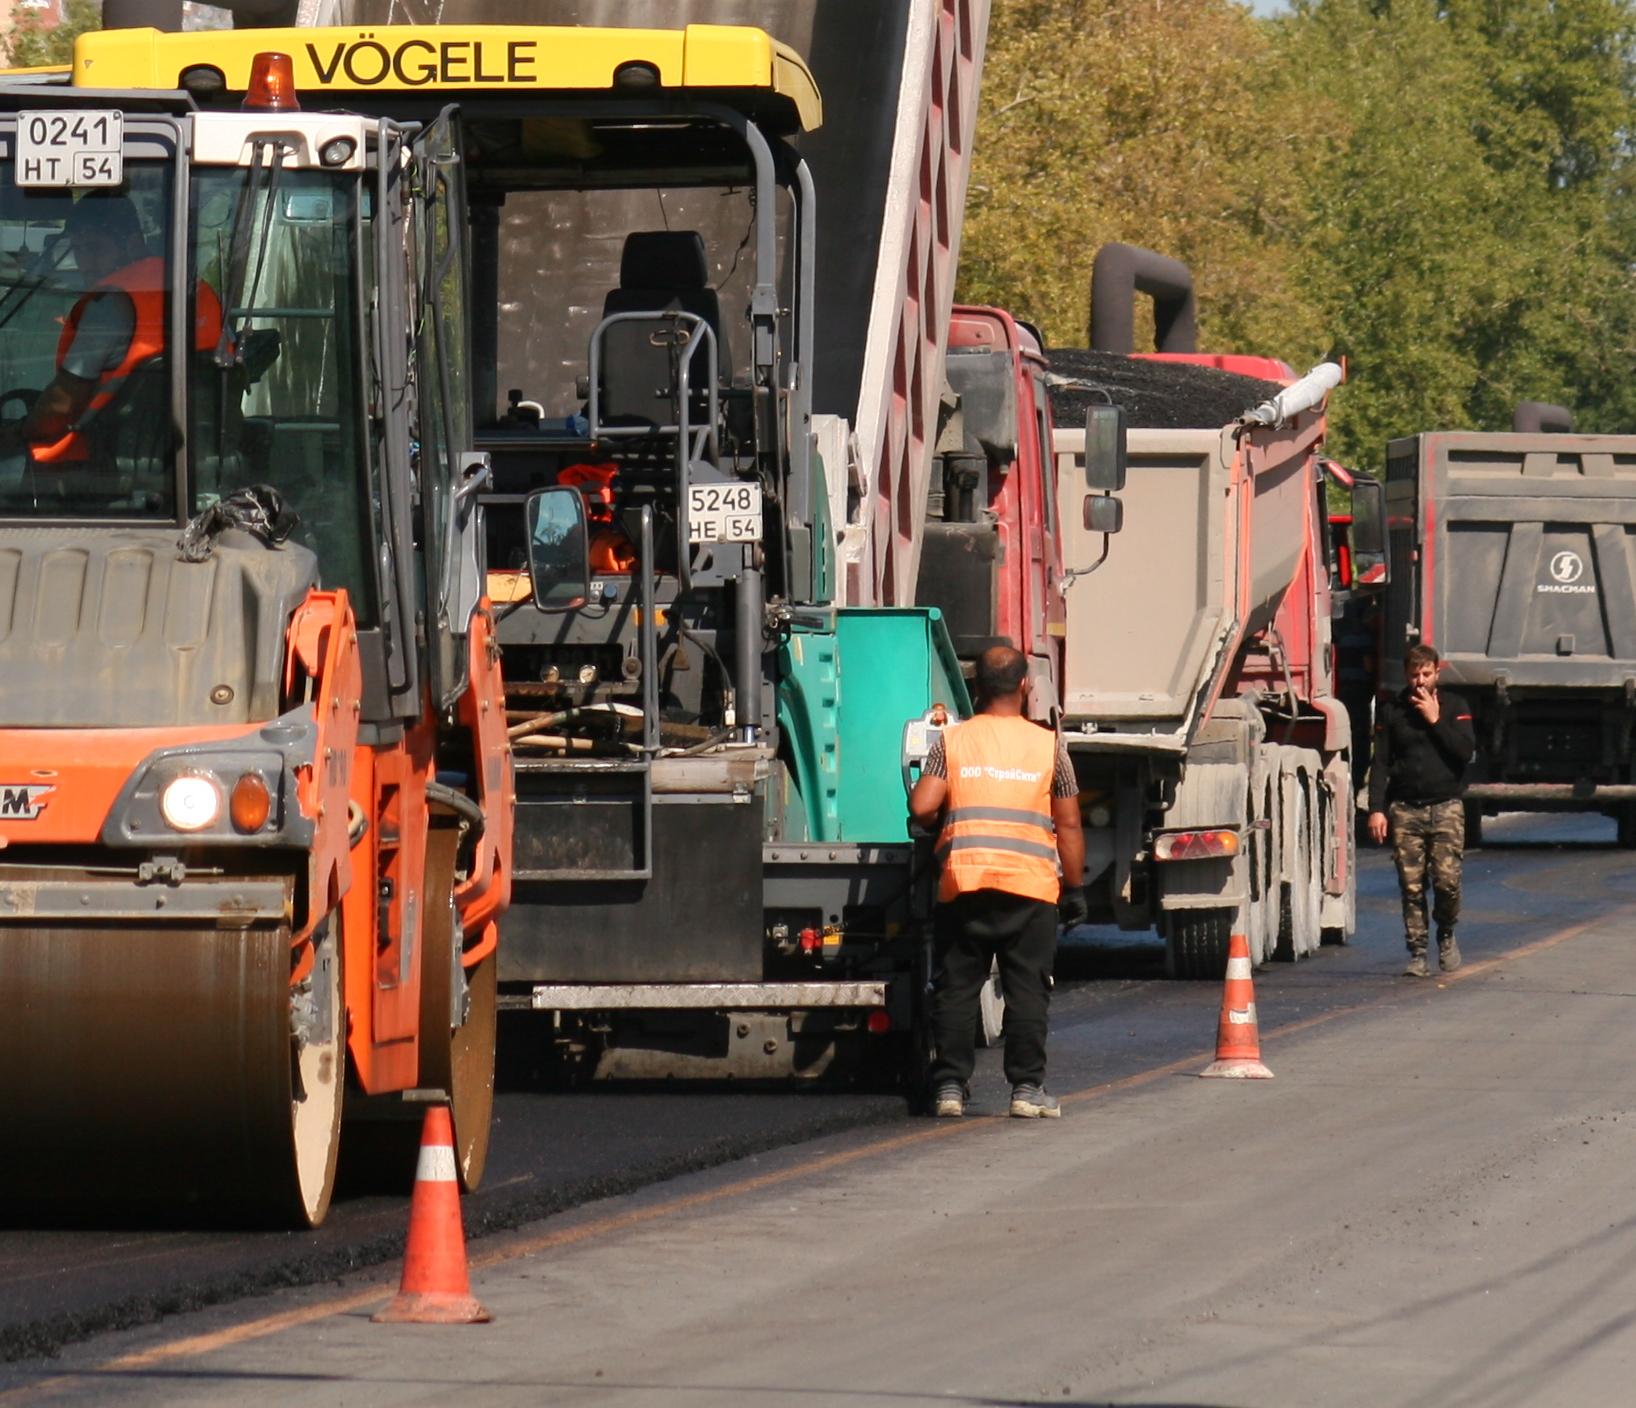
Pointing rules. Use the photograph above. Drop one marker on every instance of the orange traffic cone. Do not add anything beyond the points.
(1238, 1040)
(434, 1289)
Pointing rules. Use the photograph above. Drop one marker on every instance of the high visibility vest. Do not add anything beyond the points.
(144, 284)
(997, 828)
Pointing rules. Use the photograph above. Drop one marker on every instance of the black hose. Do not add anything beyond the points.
(727, 677)
(458, 802)
(715, 740)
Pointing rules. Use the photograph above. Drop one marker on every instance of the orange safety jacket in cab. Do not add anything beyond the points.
(144, 284)
(997, 828)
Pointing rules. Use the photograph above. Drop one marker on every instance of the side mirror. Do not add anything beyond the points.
(1105, 444)
(1370, 565)
(1103, 514)
(558, 549)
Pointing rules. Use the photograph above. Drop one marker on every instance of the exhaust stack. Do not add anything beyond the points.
(1118, 274)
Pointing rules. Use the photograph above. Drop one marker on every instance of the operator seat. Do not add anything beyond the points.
(660, 271)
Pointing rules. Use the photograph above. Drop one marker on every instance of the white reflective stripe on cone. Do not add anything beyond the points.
(436, 1164)
(1241, 1017)
(1238, 968)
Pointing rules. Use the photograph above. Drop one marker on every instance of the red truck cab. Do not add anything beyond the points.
(992, 550)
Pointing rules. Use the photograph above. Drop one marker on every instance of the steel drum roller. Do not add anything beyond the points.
(153, 1067)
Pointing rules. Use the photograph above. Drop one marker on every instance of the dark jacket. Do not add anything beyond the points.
(1415, 761)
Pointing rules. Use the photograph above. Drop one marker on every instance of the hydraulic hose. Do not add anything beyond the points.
(459, 803)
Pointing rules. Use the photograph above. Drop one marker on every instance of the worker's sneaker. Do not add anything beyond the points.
(1448, 953)
(949, 1100)
(1030, 1102)
(1416, 967)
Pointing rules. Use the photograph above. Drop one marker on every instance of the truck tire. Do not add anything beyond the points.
(1196, 943)
(1474, 825)
(1265, 888)
(1347, 836)
(1302, 898)
(1625, 816)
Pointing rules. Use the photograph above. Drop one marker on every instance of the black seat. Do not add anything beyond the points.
(660, 271)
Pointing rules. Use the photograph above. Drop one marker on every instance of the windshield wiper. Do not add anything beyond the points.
(17, 296)
(238, 302)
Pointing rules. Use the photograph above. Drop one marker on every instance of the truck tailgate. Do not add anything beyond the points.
(1526, 567)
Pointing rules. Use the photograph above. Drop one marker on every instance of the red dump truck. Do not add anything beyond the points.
(1199, 698)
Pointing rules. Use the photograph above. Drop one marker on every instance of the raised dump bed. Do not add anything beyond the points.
(1214, 535)
(1198, 706)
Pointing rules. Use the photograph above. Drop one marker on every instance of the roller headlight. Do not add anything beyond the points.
(190, 803)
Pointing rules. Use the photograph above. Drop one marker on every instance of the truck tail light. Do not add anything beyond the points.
(1195, 845)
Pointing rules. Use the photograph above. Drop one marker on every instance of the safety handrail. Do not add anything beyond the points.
(707, 445)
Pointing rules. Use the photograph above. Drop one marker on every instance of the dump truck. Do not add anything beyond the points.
(1509, 556)
(1199, 703)
(256, 793)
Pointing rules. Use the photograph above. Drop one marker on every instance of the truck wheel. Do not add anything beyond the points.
(1347, 836)
(1196, 943)
(1626, 818)
(1301, 905)
(991, 1009)
(1474, 824)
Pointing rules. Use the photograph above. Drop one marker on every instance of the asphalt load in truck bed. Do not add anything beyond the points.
(1155, 395)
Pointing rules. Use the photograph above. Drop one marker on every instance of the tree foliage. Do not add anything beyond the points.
(1438, 191)
(30, 45)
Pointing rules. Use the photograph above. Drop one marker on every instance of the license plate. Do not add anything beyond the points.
(724, 513)
(71, 147)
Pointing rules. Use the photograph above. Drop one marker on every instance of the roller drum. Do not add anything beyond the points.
(153, 1068)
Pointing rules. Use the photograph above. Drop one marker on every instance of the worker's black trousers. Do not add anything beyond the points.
(971, 932)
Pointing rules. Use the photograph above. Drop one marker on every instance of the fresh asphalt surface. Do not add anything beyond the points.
(1114, 1016)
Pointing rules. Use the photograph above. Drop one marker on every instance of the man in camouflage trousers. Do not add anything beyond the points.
(1423, 742)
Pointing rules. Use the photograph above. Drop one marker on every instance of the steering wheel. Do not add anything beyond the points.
(24, 396)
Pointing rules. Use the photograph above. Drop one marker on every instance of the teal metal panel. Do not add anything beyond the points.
(894, 664)
(809, 721)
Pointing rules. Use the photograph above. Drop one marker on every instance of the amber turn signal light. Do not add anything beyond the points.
(249, 806)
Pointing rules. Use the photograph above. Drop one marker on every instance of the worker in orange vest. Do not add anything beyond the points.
(1013, 859)
(116, 326)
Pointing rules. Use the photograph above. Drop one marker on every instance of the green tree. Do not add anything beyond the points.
(1465, 243)
(1440, 190)
(1147, 121)
(29, 45)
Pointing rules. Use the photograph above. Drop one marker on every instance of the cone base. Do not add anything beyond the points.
(419, 1308)
(1237, 1068)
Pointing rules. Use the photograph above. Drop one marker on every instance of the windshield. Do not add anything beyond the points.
(272, 376)
(84, 308)
(286, 409)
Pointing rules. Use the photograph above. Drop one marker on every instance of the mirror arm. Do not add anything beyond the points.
(1074, 574)
(476, 472)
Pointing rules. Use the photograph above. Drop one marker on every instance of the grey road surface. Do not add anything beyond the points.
(1430, 1205)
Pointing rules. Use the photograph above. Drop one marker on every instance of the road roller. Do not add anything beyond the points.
(255, 787)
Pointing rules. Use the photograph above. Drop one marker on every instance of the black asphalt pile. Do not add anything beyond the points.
(1155, 395)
